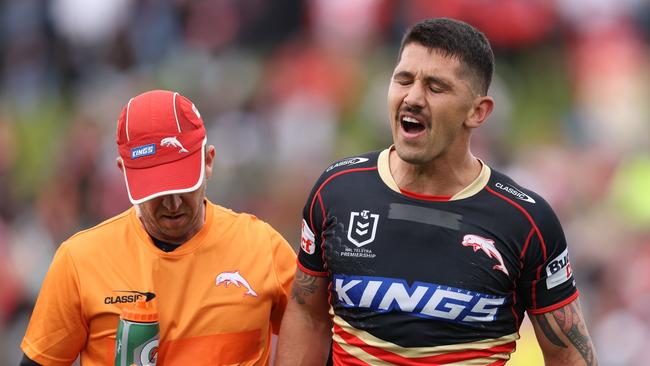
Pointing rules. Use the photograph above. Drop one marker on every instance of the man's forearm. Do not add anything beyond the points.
(305, 335)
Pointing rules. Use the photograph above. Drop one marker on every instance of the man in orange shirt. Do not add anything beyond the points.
(174, 244)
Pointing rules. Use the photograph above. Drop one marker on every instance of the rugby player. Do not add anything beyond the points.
(421, 254)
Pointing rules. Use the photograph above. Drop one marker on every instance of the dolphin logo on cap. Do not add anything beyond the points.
(173, 142)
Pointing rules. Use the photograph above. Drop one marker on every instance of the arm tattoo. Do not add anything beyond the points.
(570, 323)
(548, 331)
(303, 286)
(569, 320)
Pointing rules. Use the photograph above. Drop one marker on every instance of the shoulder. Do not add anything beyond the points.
(249, 230)
(98, 234)
(528, 202)
(357, 163)
(241, 220)
(361, 161)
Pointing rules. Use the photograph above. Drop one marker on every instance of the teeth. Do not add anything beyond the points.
(410, 119)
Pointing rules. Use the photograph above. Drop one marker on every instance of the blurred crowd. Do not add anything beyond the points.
(287, 86)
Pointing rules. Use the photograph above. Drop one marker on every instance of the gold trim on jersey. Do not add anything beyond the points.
(383, 167)
(360, 354)
(419, 352)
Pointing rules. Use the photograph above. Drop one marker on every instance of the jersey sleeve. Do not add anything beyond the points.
(310, 256)
(57, 331)
(284, 268)
(547, 281)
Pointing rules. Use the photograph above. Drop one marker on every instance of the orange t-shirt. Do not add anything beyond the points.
(219, 296)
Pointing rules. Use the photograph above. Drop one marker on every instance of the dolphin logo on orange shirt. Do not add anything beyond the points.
(234, 278)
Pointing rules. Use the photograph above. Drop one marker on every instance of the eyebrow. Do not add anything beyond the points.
(428, 79)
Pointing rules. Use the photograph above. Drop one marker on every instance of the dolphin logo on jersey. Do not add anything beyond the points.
(360, 231)
(234, 278)
(173, 142)
(487, 246)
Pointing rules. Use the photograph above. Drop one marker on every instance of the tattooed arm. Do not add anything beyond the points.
(563, 337)
(305, 334)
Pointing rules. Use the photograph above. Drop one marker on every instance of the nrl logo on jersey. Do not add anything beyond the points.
(362, 227)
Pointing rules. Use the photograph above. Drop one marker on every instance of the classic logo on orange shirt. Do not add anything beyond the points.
(128, 298)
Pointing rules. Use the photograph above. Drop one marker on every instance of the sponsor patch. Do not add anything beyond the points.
(515, 192)
(421, 299)
(123, 299)
(345, 162)
(307, 242)
(558, 270)
(142, 151)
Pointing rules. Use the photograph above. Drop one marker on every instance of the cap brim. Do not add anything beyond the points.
(180, 176)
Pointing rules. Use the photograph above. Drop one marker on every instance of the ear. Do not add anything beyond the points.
(120, 163)
(209, 159)
(480, 111)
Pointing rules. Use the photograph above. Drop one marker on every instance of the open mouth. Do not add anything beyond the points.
(411, 125)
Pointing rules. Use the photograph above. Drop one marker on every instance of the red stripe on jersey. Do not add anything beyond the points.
(539, 235)
(425, 197)
(530, 219)
(560, 304)
(523, 250)
(322, 210)
(442, 359)
(322, 234)
(533, 286)
(514, 302)
(311, 206)
(340, 357)
(310, 272)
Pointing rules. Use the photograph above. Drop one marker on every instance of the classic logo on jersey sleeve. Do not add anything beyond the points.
(307, 240)
(515, 192)
(427, 300)
(345, 162)
(558, 270)
(362, 227)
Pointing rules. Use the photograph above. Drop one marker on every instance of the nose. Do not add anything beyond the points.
(172, 202)
(415, 95)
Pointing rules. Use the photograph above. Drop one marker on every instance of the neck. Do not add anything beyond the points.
(439, 177)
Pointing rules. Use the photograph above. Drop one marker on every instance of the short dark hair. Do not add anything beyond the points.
(456, 39)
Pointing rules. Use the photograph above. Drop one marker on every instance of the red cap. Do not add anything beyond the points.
(161, 140)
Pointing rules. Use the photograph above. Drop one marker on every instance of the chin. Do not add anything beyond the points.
(414, 156)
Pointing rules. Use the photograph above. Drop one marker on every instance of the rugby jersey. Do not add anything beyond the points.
(417, 281)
